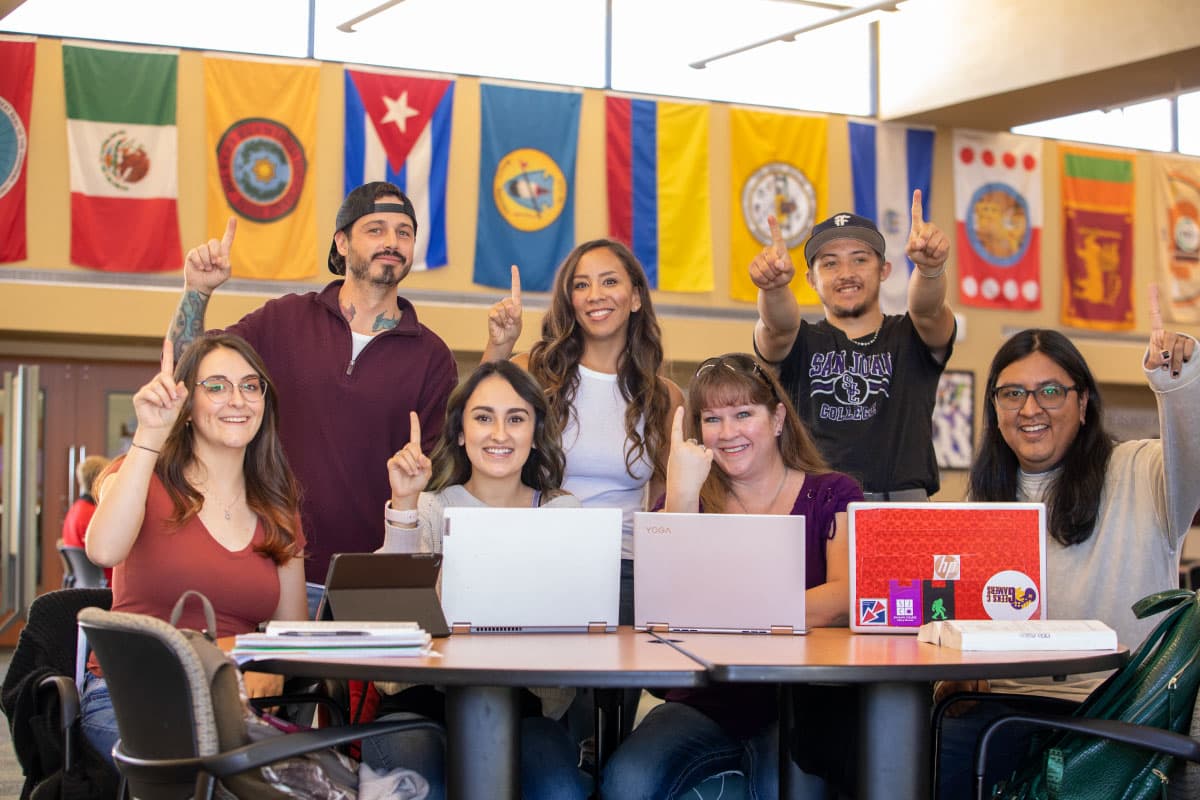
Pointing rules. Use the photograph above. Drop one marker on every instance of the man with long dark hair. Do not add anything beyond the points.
(1117, 513)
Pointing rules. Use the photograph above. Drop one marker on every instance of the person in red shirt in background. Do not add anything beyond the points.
(75, 524)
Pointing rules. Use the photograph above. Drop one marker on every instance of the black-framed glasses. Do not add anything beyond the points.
(253, 389)
(1049, 396)
(748, 366)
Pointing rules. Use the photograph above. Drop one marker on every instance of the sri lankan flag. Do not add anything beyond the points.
(262, 131)
(1097, 198)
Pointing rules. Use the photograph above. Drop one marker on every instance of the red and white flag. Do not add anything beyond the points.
(998, 211)
(16, 96)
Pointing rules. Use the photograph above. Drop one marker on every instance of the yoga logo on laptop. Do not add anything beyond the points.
(1010, 595)
(872, 611)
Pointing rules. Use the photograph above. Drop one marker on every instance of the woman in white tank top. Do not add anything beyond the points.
(599, 359)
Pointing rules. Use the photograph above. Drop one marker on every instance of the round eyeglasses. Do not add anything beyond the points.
(221, 389)
(1048, 396)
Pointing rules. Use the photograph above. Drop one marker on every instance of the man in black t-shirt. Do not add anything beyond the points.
(864, 382)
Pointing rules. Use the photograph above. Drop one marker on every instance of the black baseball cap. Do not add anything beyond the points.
(359, 203)
(843, 226)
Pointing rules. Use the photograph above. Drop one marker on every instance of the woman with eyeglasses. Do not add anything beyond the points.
(203, 500)
(748, 453)
(1116, 513)
(599, 359)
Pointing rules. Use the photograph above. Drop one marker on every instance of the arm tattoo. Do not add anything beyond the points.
(384, 323)
(188, 324)
(348, 311)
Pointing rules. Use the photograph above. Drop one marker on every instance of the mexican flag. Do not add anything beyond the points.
(124, 157)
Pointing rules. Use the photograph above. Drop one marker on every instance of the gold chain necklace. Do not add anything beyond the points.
(770, 505)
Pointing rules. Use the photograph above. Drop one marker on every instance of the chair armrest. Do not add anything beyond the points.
(337, 714)
(1035, 703)
(277, 748)
(68, 712)
(1163, 741)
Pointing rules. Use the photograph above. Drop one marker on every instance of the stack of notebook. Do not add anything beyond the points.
(323, 639)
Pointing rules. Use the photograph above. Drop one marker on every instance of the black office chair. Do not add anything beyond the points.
(1184, 780)
(178, 736)
(78, 571)
(41, 700)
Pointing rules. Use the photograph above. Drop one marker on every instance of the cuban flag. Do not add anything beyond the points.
(887, 163)
(398, 130)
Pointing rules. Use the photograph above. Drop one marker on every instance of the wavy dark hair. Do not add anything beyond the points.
(544, 468)
(554, 360)
(271, 489)
(738, 379)
(1073, 497)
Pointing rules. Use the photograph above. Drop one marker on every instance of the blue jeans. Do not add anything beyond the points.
(676, 747)
(959, 738)
(97, 720)
(549, 759)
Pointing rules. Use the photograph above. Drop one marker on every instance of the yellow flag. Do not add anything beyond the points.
(262, 132)
(779, 166)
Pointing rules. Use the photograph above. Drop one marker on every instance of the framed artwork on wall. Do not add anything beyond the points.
(954, 419)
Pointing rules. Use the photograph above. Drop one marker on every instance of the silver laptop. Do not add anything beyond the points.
(719, 573)
(538, 570)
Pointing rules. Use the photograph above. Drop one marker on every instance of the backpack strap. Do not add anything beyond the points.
(210, 618)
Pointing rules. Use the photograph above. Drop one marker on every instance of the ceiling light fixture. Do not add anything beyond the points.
(850, 13)
(348, 25)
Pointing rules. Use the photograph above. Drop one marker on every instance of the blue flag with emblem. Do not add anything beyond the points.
(526, 169)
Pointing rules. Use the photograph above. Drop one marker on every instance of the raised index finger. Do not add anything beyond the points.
(167, 364)
(776, 235)
(516, 284)
(677, 427)
(918, 209)
(227, 239)
(1156, 323)
(414, 428)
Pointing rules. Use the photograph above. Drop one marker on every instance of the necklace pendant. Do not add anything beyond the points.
(228, 515)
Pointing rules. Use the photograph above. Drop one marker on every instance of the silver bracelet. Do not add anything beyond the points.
(933, 276)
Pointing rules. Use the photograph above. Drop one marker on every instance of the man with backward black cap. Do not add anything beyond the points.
(864, 382)
(347, 364)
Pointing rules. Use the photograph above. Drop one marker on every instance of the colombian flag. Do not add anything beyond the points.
(658, 197)
(262, 132)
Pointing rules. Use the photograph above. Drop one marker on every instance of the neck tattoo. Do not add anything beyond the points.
(771, 504)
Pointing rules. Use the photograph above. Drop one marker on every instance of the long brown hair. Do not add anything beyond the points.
(544, 468)
(737, 379)
(271, 490)
(554, 360)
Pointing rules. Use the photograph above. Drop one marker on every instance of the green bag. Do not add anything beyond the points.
(1156, 687)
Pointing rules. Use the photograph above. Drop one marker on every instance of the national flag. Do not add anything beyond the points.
(998, 211)
(16, 97)
(398, 130)
(526, 169)
(658, 197)
(1177, 217)
(262, 132)
(779, 166)
(124, 157)
(887, 164)
(1098, 203)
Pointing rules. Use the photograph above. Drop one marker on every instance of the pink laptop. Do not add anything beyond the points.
(912, 563)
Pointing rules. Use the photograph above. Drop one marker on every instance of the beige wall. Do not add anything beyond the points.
(48, 316)
(939, 54)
